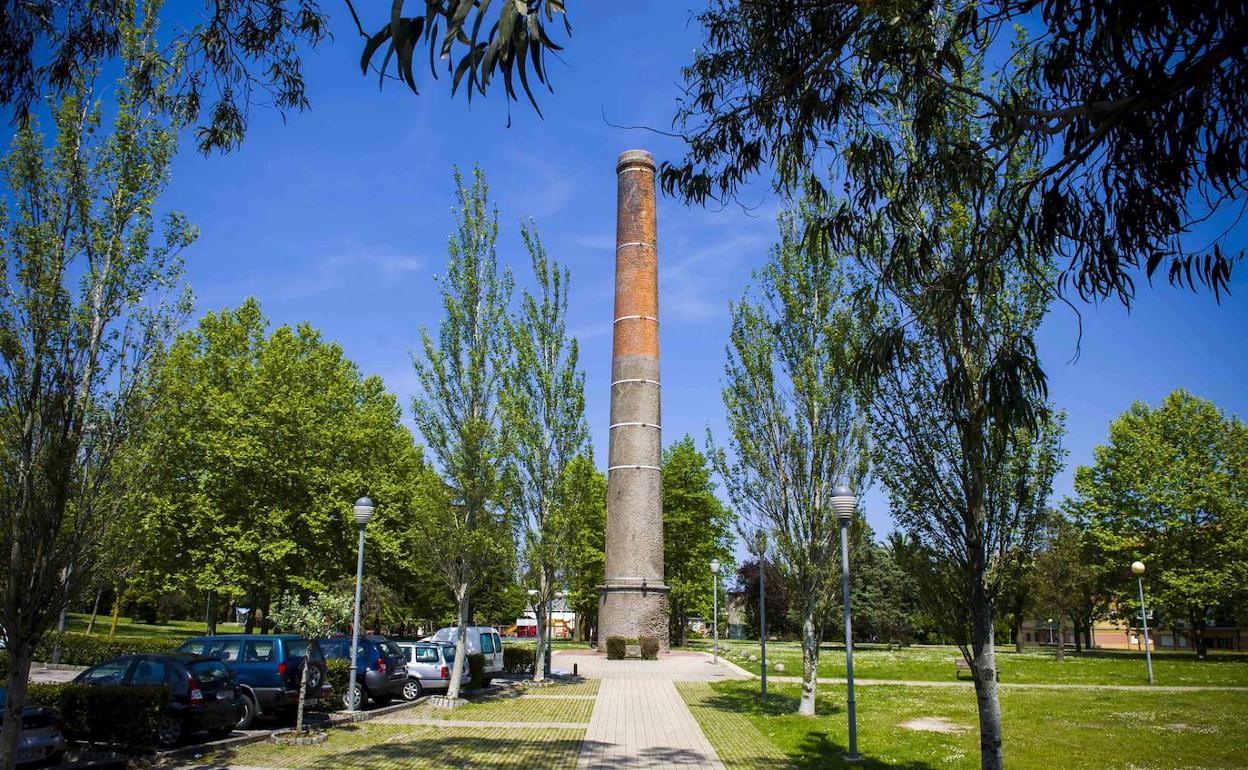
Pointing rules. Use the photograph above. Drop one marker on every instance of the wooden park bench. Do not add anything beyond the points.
(960, 665)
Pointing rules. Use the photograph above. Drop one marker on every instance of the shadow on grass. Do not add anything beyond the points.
(437, 751)
(815, 750)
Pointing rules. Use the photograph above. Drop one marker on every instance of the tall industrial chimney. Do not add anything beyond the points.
(633, 600)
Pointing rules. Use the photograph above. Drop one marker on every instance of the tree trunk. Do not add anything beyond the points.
(1017, 629)
(303, 691)
(250, 623)
(95, 611)
(1198, 638)
(461, 639)
(112, 629)
(211, 620)
(1078, 632)
(984, 668)
(539, 657)
(1061, 640)
(20, 653)
(810, 660)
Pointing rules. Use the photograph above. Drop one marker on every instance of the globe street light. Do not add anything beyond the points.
(1138, 568)
(760, 546)
(715, 605)
(844, 503)
(363, 512)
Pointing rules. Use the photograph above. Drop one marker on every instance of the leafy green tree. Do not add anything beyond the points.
(311, 619)
(259, 444)
(697, 528)
(583, 521)
(89, 296)
(1169, 488)
(544, 401)
(781, 621)
(458, 409)
(1135, 109)
(796, 429)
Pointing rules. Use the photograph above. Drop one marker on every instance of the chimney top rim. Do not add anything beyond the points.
(635, 158)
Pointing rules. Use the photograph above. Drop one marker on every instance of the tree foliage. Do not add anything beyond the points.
(259, 445)
(697, 528)
(1136, 109)
(1169, 489)
(582, 520)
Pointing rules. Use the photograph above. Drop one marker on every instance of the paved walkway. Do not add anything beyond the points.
(639, 719)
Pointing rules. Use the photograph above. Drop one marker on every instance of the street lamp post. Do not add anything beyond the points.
(715, 606)
(363, 512)
(844, 502)
(1138, 569)
(760, 544)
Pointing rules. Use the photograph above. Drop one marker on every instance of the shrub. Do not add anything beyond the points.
(126, 716)
(338, 674)
(476, 671)
(616, 647)
(518, 660)
(649, 648)
(87, 650)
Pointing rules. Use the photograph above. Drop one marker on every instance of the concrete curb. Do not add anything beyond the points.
(57, 667)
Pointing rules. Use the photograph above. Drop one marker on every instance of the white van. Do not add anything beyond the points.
(482, 639)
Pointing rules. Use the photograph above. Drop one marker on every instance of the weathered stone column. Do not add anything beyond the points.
(633, 600)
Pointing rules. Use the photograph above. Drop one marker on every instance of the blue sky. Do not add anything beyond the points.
(340, 217)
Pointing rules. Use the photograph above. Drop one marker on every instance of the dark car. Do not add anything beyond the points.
(380, 668)
(41, 741)
(203, 695)
(267, 667)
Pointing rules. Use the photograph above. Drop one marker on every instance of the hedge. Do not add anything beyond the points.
(476, 671)
(125, 716)
(518, 660)
(617, 647)
(87, 650)
(338, 674)
(649, 648)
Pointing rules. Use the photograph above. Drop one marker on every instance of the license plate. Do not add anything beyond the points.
(27, 755)
(224, 695)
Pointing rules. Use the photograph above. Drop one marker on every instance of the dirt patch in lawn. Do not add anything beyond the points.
(934, 725)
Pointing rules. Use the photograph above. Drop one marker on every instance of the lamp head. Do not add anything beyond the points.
(363, 511)
(715, 566)
(1137, 567)
(760, 542)
(844, 502)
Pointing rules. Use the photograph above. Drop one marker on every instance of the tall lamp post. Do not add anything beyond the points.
(844, 503)
(363, 512)
(1138, 568)
(715, 605)
(760, 544)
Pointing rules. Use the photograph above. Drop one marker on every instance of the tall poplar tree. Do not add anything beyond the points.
(795, 422)
(89, 295)
(458, 409)
(544, 399)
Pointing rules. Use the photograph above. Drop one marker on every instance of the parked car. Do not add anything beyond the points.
(429, 666)
(268, 668)
(482, 639)
(380, 668)
(203, 694)
(41, 741)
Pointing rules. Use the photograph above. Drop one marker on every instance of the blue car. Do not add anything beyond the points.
(41, 741)
(268, 668)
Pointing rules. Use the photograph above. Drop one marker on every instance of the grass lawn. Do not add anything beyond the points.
(511, 707)
(174, 629)
(404, 747)
(1043, 728)
(936, 663)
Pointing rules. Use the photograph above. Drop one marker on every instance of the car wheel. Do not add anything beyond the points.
(355, 700)
(168, 731)
(315, 678)
(411, 690)
(248, 714)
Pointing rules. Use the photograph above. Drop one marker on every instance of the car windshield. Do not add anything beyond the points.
(448, 654)
(209, 671)
(296, 648)
(195, 646)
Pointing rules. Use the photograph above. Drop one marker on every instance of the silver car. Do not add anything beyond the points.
(429, 666)
(41, 739)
